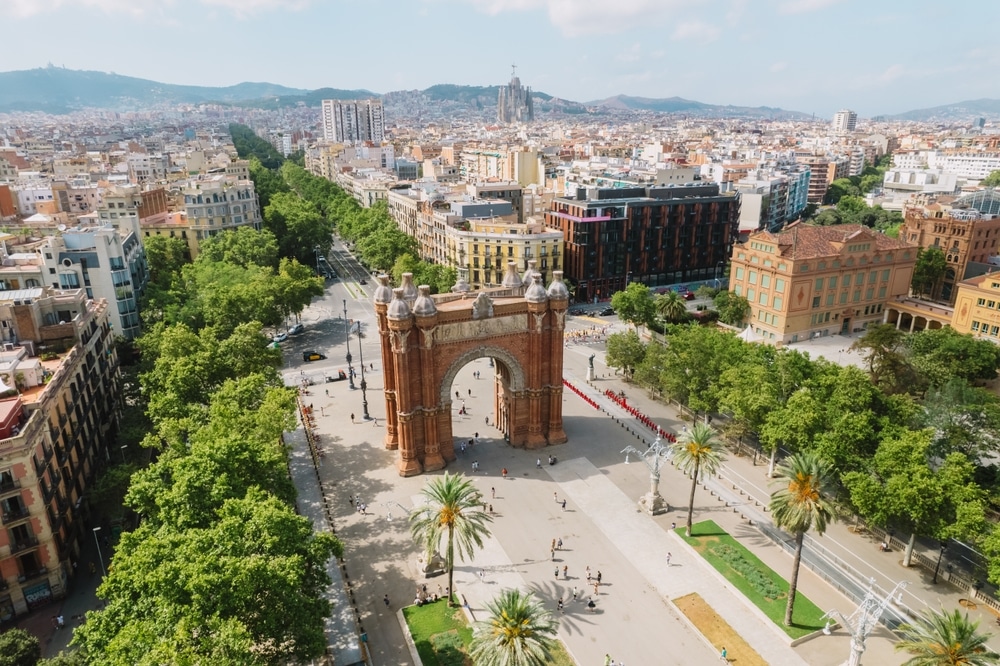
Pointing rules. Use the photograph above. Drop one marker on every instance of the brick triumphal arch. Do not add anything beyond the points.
(427, 339)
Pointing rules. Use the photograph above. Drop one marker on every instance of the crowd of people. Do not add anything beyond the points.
(622, 402)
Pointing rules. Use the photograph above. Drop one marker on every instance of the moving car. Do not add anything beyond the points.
(688, 295)
(309, 356)
(362, 281)
(295, 330)
(607, 312)
(280, 337)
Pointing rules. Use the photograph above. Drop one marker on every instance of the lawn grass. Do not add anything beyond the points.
(442, 636)
(755, 580)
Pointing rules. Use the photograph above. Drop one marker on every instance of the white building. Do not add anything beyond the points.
(350, 121)
(845, 120)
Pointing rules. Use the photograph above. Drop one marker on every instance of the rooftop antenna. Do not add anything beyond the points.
(513, 71)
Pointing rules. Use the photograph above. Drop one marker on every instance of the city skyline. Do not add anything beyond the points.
(813, 56)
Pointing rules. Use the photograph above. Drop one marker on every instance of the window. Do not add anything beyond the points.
(819, 284)
(778, 303)
(829, 300)
(843, 297)
(737, 289)
(752, 279)
(859, 279)
(994, 330)
(857, 296)
(881, 292)
(975, 326)
(833, 282)
(815, 301)
(765, 281)
(750, 295)
(779, 286)
(869, 294)
(872, 277)
(885, 275)
(763, 298)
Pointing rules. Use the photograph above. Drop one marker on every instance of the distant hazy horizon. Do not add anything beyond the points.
(813, 56)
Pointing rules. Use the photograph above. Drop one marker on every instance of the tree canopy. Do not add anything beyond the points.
(635, 304)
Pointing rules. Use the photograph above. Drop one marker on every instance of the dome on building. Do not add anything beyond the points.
(526, 278)
(383, 293)
(511, 280)
(410, 292)
(424, 305)
(557, 288)
(536, 292)
(398, 308)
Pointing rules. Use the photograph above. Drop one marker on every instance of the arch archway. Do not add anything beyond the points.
(426, 340)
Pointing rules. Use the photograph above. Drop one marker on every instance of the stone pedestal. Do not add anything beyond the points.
(653, 504)
(590, 374)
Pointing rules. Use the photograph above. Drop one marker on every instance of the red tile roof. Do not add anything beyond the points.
(804, 241)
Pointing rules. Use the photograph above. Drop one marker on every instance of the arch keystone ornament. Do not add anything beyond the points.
(426, 340)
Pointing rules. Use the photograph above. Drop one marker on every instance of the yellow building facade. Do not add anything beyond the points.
(977, 307)
(810, 281)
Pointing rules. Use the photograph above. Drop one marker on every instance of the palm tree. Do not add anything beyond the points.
(671, 307)
(800, 506)
(697, 451)
(519, 632)
(940, 638)
(453, 510)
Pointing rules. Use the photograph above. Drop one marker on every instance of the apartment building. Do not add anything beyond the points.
(655, 235)
(845, 120)
(59, 413)
(964, 236)
(216, 202)
(351, 121)
(977, 307)
(482, 248)
(811, 281)
(823, 170)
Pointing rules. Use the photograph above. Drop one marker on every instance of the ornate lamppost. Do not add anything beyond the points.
(654, 457)
(364, 384)
(350, 370)
(862, 621)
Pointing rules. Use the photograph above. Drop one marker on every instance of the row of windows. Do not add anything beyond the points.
(845, 280)
(763, 298)
(869, 295)
(821, 265)
(985, 329)
(982, 302)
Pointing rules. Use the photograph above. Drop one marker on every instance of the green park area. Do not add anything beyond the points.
(443, 635)
(754, 579)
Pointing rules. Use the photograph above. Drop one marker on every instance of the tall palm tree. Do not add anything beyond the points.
(519, 632)
(671, 307)
(801, 505)
(697, 451)
(453, 510)
(940, 638)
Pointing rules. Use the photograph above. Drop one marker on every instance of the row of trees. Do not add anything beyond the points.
(912, 439)
(221, 568)
(639, 306)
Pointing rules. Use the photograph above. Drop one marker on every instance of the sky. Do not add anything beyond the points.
(815, 56)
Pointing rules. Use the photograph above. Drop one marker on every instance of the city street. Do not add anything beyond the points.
(600, 527)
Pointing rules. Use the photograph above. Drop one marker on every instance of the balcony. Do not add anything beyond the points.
(8, 484)
(13, 515)
(20, 545)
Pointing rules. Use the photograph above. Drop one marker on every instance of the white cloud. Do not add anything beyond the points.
(141, 8)
(804, 6)
(778, 66)
(574, 18)
(698, 30)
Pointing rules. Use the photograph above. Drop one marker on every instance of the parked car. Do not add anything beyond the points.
(688, 295)
(362, 281)
(295, 330)
(280, 337)
(309, 356)
(607, 312)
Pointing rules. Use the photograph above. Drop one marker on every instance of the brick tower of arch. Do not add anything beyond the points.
(427, 339)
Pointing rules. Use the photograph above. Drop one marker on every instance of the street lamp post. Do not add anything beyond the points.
(862, 621)
(364, 384)
(721, 262)
(937, 567)
(654, 457)
(100, 557)
(125, 446)
(350, 370)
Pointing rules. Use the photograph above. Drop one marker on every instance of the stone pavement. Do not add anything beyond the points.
(600, 528)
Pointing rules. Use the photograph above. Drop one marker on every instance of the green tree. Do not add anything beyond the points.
(871, 182)
(733, 309)
(928, 271)
(692, 361)
(697, 452)
(992, 180)
(794, 424)
(299, 226)
(839, 188)
(801, 505)
(626, 351)
(244, 247)
(672, 307)
(453, 511)
(851, 205)
(963, 418)
(942, 638)
(246, 589)
(73, 658)
(881, 347)
(943, 354)
(748, 391)
(519, 632)
(635, 305)
(809, 212)
(829, 217)
(19, 648)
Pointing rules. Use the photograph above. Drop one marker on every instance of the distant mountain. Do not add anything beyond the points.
(58, 90)
(681, 105)
(967, 110)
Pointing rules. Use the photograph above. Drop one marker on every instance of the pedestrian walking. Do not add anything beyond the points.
(385, 600)
(374, 423)
(487, 420)
(557, 573)
(482, 576)
(504, 472)
(555, 497)
(538, 463)
(566, 571)
(352, 417)
(552, 554)
(350, 500)
(597, 592)
(470, 393)
(599, 577)
(559, 605)
(491, 509)
(553, 544)
(724, 655)
(673, 525)
(668, 559)
(371, 366)
(564, 505)
(574, 593)
(457, 395)
(493, 492)
(462, 449)
(588, 573)
(559, 544)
